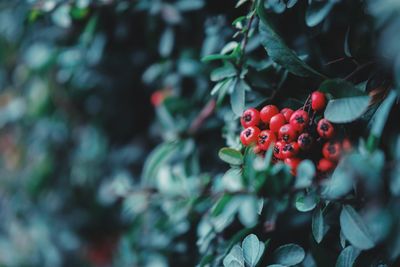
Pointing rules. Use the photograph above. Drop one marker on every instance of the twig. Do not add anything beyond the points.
(246, 36)
(207, 110)
(358, 69)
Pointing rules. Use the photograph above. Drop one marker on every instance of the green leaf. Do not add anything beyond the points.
(347, 109)
(253, 249)
(234, 257)
(380, 117)
(317, 12)
(340, 183)
(220, 204)
(279, 51)
(305, 203)
(289, 255)
(305, 174)
(226, 71)
(354, 229)
(238, 98)
(157, 158)
(340, 88)
(231, 156)
(347, 257)
(166, 43)
(318, 226)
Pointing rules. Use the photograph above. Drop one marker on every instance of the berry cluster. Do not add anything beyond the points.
(294, 135)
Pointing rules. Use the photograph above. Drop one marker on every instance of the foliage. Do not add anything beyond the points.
(94, 175)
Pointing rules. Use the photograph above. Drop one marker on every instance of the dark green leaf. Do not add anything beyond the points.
(317, 12)
(354, 229)
(279, 51)
(306, 203)
(346, 45)
(223, 72)
(347, 257)
(231, 156)
(318, 226)
(220, 204)
(289, 255)
(339, 88)
(347, 109)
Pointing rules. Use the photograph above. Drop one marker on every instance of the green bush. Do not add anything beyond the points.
(120, 125)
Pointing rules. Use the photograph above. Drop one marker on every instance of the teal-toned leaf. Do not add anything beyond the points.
(354, 229)
(347, 257)
(238, 98)
(340, 88)
(234, 257)
(318, 226)
(223, 72)
(157, 158)
(166, 43)
(289, 255)
(220, 204)
(347, 109)
(340, 183)
(279, 51)
(346, 45)
(291, 3)
(305, 203)
(317, 11)
(305, 174)
(382, 113)
(231, 156)
(248, 211)
(253, 249)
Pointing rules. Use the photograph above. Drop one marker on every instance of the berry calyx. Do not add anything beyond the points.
(290, 150)
(250, 117)
(299, 120)
(265, 139)
(325, 129)
(287, 133)
(293, 163)
(305, 141)
(278, 149)
(331, 151)
(325, 165)
(268, 112)
(287, 112)
(249, 135)
(276, 122)
(318, 101)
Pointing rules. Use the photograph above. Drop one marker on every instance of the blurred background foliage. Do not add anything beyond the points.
(112, 114)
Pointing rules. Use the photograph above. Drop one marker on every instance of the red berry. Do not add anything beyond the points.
(331, 151)
(257, 149)
(290, 150)
(249, 135)
(305, 141)
(318, 101)
(265, 139)
(276, 122)
(157, 98)
(293, 163)
(325, 165)
(287, 133)
(278, 149)
(250, 117)
(346, 145)
(325, 129)
(287, 112)
(267, 112)
(299, 120)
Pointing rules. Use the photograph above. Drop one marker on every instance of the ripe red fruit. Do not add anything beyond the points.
(157, 98)
(249, 135)
(293, 163)
(318, 101)
(265, 139)
(290, 150)
(305, 141)
(299, 120)
(287, 112)
(331, 151)
(278, 149)
(250, 117)
(276, 122)
(287, 133)
(325, 129)
(346, 145)
(267, 112)
(325, 165)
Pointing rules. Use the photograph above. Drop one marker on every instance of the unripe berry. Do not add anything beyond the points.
(305, 141)
(325, 129)
(267, 112)
(293, 163)
(331, 151)
(250, 117)
(276, 122)
(265, 139)
(287, 112)
(318, 101)
(287, 133)
(299, 120)
(290, 150)
(249, 135)
(325, 165)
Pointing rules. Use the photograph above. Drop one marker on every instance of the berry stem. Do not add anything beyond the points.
(305, 103)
